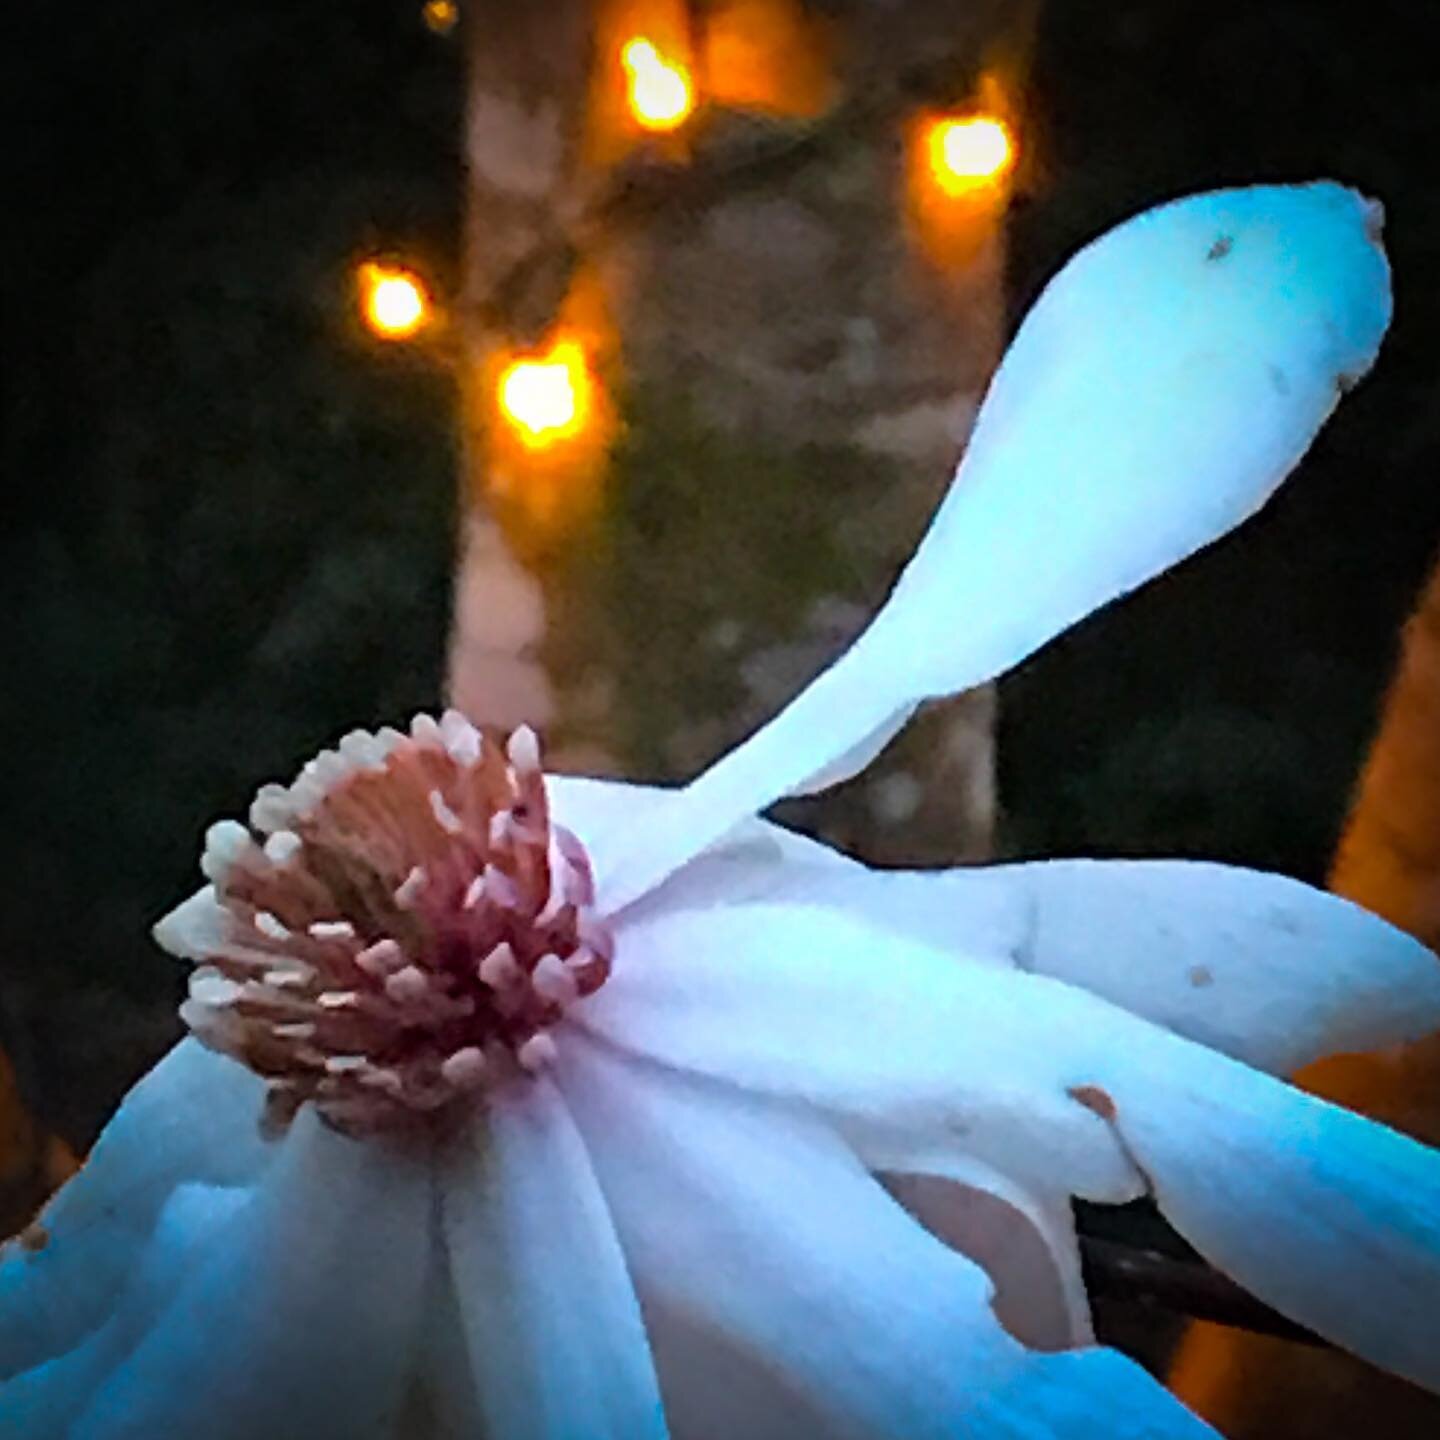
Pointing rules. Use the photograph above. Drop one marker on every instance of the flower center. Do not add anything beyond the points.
(403, 934)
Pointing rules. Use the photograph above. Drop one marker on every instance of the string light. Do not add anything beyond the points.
(440, 16)
(547, 398)
(393, 300)
(969, 153)
(658, 90)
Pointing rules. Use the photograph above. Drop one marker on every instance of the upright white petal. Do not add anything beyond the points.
(603, 812)
(1158, 392)
(599, 809)
(552, 1327)
(300, 1320)
(44, 1403)
(194, 1117)
(789, 1295)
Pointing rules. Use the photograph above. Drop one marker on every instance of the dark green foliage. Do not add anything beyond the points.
(237, 511)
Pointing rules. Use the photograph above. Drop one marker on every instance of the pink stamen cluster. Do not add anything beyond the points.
(395, 931)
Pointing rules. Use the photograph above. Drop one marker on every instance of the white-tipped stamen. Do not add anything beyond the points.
(536, 1053)
(329, 768)
(289, 977)
(445, 817)
(367, 963)
(382, 958)
(465, 1068)
(281, 846)
(410, 888)
(272, 927)
(500, 888)
(271, 809)
(523, 751)
(460, 737)
(209, 987)
(407, 986)
(331, 930)
(363, 750)
(426, 732)
(227, 842)
(500, 969)
(554, 982)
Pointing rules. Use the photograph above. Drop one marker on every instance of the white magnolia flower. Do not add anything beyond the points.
(699, 1128)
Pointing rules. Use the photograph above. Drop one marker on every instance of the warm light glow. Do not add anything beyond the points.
(440, 16)
(969, 153)
(392, 300)
(659, 90)
(770, 55)
(547, 398)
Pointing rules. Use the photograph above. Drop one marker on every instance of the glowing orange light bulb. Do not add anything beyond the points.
(967, 154)
(392, 300)
(546, 398)
(440, 16)
(659, 90)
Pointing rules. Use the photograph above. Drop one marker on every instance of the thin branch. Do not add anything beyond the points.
(1163, 1277)
(643, 184)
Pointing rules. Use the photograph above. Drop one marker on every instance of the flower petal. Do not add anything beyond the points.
(194, 1117)
(909, 1047)
(1156, 395)
(303, 1320)
(974, 911)
(1328, 1217)
(1263, 967)
(43, 1403)
(597, 808)
(552, 1326)
(1025, 1244)
(787, 1294)
(1331, 1219)
(602, 812)
(1260, 966)
(442, 1404)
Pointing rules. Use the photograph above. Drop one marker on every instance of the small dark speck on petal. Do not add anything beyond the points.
(34, 1237)
(1279, 381)
(1286, 921)
(1092, 1097)
(1221, 248)
(1201, 976)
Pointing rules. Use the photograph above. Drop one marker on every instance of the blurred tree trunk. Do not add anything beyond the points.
(1389, 861)
(786, 363)
(527, 69)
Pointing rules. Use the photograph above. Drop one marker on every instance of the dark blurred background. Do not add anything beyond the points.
(231, 514)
